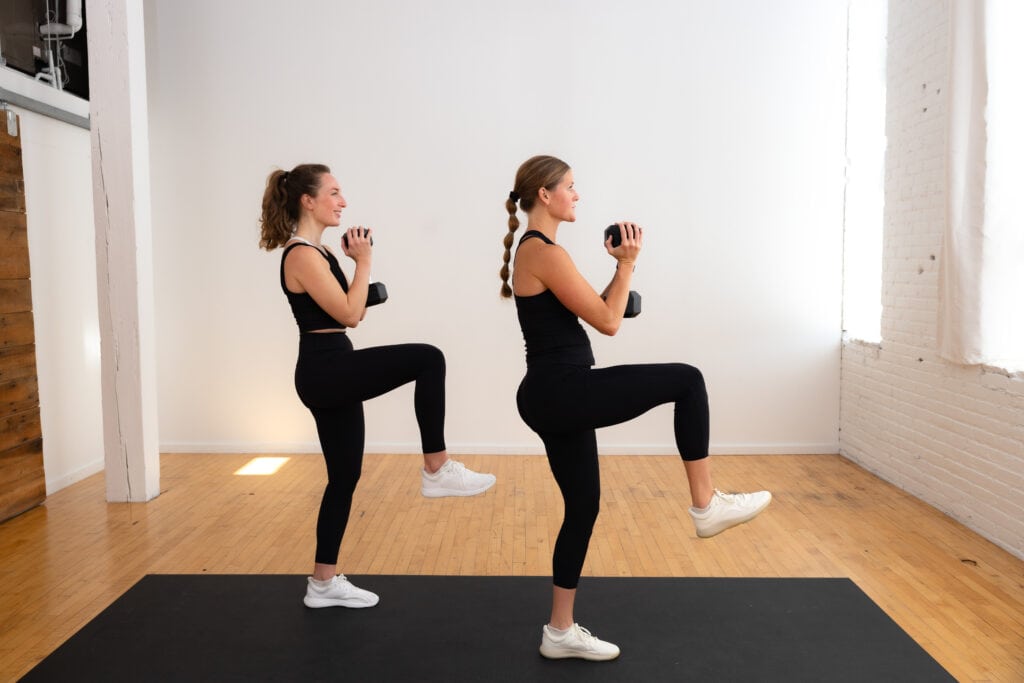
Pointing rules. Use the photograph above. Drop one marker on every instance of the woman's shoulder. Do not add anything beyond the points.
(539, 249)
(309, 256)
(299, 243)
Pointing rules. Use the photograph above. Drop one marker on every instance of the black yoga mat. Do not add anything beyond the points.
(487, 628)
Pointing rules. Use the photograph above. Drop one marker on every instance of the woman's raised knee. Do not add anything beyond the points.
(689, 375)
(433, 357)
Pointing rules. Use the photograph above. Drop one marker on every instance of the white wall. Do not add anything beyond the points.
(58, 198)
(718, 126)
(951, 435)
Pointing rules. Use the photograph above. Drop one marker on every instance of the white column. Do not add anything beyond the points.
(124, 249)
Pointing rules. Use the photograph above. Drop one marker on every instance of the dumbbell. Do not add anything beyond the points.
(377, 292)
(633, 302)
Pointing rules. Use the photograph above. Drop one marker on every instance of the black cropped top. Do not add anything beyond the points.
(307, 312)
(552, 333)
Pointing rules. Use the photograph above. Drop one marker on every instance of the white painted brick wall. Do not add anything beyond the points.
(951, 435)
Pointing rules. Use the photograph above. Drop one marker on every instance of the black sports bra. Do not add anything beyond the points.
(552, 333)
(307, 312)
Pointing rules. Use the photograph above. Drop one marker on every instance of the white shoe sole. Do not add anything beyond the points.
(562, 653)
(316, 603)
(444, 493)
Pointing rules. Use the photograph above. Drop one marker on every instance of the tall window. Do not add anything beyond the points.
(981, 319)
(1002, 285)
(865, 170)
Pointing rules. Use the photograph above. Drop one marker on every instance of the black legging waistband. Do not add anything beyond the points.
(323, 341)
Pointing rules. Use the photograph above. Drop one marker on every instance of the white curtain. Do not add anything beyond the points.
(982, 268)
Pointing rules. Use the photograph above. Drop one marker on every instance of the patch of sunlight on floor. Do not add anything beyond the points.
(262, 466)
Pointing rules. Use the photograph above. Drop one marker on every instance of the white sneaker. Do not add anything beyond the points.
(727, 510)
(576, 642)
(453, 479)
(339, 593)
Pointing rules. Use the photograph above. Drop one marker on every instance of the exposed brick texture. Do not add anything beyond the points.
(951, 435)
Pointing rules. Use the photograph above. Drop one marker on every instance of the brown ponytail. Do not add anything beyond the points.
(513, 225)
(535, 173)
(281, 202)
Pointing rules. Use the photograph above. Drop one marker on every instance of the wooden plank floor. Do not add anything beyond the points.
(959, 596)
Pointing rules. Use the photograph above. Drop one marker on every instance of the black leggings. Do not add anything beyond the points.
(333, 380)
(564, 404)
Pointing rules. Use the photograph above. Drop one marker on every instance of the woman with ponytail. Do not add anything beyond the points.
(332, 379)
(564, 399)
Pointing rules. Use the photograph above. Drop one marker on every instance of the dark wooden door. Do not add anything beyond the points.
(22, 482)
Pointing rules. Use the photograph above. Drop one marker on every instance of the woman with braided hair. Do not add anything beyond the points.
(564, 399)
(333, 379)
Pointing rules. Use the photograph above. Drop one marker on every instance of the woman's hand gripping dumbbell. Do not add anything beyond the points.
(633, 302)
(377, 293)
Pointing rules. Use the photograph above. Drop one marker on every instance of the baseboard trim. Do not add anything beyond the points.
(65, 480)
(501, 449)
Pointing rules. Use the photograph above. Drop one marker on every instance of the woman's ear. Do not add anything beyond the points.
(544, 196)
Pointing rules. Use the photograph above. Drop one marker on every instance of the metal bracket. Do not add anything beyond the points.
(12, 123)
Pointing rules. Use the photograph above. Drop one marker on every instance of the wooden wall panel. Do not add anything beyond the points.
(12, 179)
(10, 161)
(19, 428)
(13, 244)
(20, 469)
(19, 395)
(17, 362)
(15, 296)
(22, 480)
(16, 329)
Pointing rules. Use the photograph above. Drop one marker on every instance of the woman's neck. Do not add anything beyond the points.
(310, 231)
(548, 227)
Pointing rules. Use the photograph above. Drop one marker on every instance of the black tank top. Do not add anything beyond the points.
(552, 332)
(307, 312)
